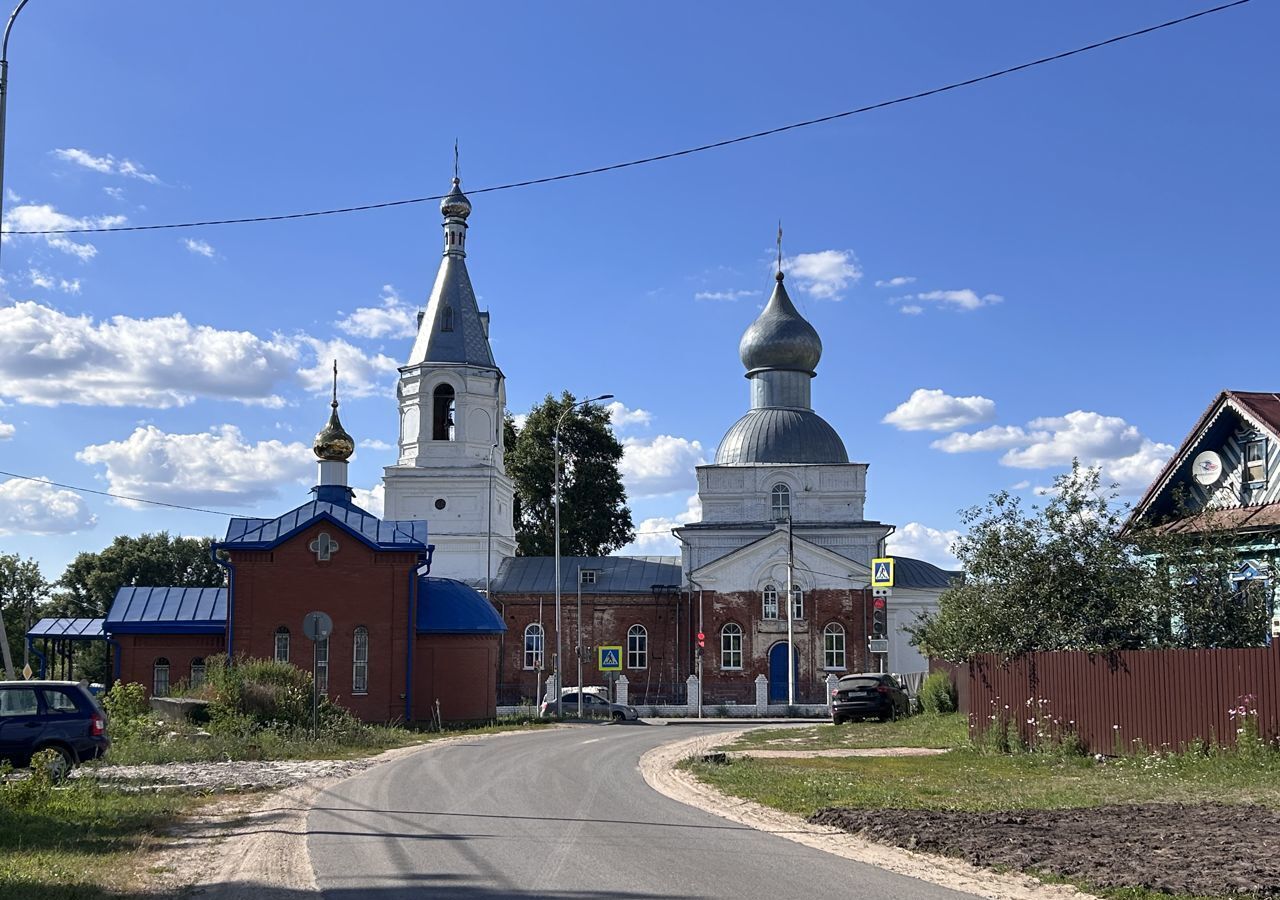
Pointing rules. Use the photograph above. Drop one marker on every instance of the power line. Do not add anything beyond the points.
(661, 157)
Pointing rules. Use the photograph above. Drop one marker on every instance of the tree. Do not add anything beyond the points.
(1060, 578)
(23, 591)
(91, 580)
(594, 518)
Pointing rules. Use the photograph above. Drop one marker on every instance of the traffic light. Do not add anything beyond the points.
(702, 640)
(879, 621)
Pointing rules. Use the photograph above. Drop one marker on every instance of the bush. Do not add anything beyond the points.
(126, 704)
(938, 694)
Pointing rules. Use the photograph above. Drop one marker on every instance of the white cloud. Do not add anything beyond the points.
(202, 248)
(359, 374)
(922, 542)
(1133, 473)
(52, 283)
(114, 193)
(620, 416)
(1020, 486)
(896, 281)
(652, 467)
(724, 295)
(48, 358)
(374, 444)
(215, 467)
(1086, 436)
(653, 535)
(964, 300)
(107, 165)
(37, 507)
(372, 500)
(911, 310)
(997, 437)
(43, 217)
(824, 274)
(934, 410)
(6, 431)
(393, 317)
(519, 419)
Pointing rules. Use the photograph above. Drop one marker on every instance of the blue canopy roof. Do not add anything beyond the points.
(263, 534)
(68, 629)
(446, 606)
(168, 610)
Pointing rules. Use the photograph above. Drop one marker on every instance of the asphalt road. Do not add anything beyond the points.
(562, 813)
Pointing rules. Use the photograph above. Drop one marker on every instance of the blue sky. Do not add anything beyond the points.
(1069, 261)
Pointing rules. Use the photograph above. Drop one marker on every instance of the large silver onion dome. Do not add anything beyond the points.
(455, 204)
(781, 435)
(780, 338)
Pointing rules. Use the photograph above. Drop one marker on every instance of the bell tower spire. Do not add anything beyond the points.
(333, 447)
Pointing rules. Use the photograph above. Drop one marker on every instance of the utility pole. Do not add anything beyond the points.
(4, 105)
(791, 605)
(578, 651)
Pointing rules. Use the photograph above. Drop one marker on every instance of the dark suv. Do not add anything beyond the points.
(61, 716)
(868, 694)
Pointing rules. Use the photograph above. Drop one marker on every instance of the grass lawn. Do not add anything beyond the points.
(73, 842)
(936, 731)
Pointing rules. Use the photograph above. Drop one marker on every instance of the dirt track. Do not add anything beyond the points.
(1206, 850)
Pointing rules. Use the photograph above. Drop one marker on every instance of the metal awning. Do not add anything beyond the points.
(68, 629)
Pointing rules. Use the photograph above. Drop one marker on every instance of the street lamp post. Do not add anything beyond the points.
(556, 443)
(4, 93)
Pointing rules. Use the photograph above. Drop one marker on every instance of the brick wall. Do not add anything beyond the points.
(139, 653)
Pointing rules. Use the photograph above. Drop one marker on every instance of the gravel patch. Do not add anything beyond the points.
(223, 777)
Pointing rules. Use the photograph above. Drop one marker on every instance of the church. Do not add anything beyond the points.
(433, 613)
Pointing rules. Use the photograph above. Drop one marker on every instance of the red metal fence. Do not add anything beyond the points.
(1152, 698)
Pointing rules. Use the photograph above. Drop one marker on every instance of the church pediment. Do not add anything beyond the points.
(765, 560)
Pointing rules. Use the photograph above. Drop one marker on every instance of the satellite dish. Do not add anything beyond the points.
(1207, 468)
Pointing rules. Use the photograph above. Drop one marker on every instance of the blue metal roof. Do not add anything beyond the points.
(614, 574)
(263, 534)
(168, 610)
(68, 629)
(916, 573)
(446, 606)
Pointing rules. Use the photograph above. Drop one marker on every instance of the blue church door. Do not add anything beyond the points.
(778, 672)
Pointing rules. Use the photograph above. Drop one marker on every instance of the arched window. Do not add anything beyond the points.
(446, 320)
(442, 414)
(731, 646)
(322, 666)
(282, 644)
(797, 602)
(197, 671)
(637, 647)
(833, 646)
(770, 597)
(360, 661)
(160, 678)
(533, 638)
(781, 503)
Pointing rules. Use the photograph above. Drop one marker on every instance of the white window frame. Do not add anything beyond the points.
(731, 646)
(637, 647)
(797, 603)
(833, 646)
(197, 671)
(282, 644)
(534, 656)
(587, 576)
(160, 683)
(769, 602)
(360, 660)
(1260, 462)
(780, 502)
(322, 666)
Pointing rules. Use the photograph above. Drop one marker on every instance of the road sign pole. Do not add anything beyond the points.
(315, 691)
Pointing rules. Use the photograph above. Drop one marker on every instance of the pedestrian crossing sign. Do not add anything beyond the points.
(610, 659)
(882, 572)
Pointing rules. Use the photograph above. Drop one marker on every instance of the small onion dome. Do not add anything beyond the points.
(333, 443)
(780, 338)
(455, 205)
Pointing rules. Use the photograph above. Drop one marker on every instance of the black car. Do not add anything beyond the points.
(61, 716)
(868, 694)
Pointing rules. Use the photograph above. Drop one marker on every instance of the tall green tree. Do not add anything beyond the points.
(1057, 577)
(23, 593)
(594, 517)
(91, 580)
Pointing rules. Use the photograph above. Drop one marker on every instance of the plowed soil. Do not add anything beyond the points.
(1205, 850)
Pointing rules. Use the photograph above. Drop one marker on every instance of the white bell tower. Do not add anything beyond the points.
(452, 396)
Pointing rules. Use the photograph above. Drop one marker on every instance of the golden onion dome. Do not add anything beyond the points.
(455, 205)
(332, 442)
